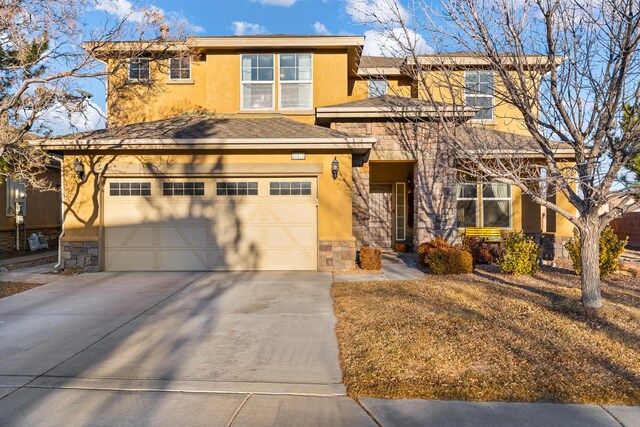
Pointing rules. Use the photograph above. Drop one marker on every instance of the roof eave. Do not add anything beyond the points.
(277, 42)
(355, 144)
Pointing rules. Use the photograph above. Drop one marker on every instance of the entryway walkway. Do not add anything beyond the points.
(395, 266)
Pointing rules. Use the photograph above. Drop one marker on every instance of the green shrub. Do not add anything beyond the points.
(482, 251)
(611, 248)
(441, 258)
(370, 258)
(521, 255)
(423, 248)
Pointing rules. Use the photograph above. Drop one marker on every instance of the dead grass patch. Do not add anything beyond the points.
(11, 288)
(490, 337)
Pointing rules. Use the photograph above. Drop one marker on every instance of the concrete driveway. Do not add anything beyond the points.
(173, 349)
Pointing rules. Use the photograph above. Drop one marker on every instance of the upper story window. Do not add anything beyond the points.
(257, 82)
(479, 88)
(296, 81)
(180, 69)
(377, 87)
(139, 69)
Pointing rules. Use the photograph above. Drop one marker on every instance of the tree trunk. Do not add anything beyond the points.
(590, 265)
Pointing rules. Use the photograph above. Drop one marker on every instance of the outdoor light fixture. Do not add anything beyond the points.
(335, 165)
(78, 168)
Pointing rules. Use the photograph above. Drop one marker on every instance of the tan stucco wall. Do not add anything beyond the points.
(43, 207)
(215, 86)
(334, 197)
(396, 85)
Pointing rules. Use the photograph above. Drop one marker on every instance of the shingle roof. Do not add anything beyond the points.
(486, 139)
(380, 62)
(204, 125)
(388, 103)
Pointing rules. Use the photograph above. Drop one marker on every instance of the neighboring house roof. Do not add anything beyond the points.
(391, 106)
(380, 66)
(206, 130)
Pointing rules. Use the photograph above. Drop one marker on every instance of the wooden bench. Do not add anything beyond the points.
(489, 234)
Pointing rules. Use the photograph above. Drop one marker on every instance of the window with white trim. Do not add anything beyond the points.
(467, 204)
(496, 205)
(296, 81)
(257, 81)
(377, 87)
(479, 92)
(180, 69)
(139, 69)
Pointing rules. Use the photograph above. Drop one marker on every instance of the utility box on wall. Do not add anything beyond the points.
(16, 204)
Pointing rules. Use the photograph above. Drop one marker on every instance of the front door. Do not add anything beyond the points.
(381, 215)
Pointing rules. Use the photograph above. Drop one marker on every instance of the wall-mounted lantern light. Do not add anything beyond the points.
(335, 166)
(78, 168)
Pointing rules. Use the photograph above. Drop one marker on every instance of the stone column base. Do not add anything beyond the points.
(336, 255)
(553, 247)
(80, 257)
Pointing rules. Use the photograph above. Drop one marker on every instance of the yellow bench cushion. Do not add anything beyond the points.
(493, 233)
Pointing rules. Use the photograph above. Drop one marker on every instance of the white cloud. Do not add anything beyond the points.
(58, 120)
(394, 43)
(124, 9)
(321, 29)
(281, 3)
(376, 12)
(242, 28)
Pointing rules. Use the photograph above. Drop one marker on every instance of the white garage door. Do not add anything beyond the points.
(210, 224)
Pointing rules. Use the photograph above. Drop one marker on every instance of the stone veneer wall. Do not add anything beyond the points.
(336, 255)
(8, 238)
(80, 256)
(434, 175)
(360, 201)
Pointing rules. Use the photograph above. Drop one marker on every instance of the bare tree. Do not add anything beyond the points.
(568, 72)
(44, 59)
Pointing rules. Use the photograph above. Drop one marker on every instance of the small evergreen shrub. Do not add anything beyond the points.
(370, 258)
(482, 252)
(611, 248)
(521, 255)
(441, 258)
(437, 243)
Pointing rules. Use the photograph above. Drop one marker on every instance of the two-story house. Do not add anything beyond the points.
(273, 153)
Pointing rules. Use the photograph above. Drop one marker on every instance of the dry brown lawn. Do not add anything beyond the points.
(490, 337)
(11, 288)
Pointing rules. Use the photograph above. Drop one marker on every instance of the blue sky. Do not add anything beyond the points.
(237, 17)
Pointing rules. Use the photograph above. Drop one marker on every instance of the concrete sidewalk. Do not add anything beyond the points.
(104, 407)
(414, 412)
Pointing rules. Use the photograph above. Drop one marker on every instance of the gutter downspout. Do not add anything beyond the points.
(57, 266)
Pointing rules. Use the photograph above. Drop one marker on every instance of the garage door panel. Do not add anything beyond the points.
(183, 260)
(129, 260)
(131, 236)
(211, 232)
(187, 236)
(288, 259)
